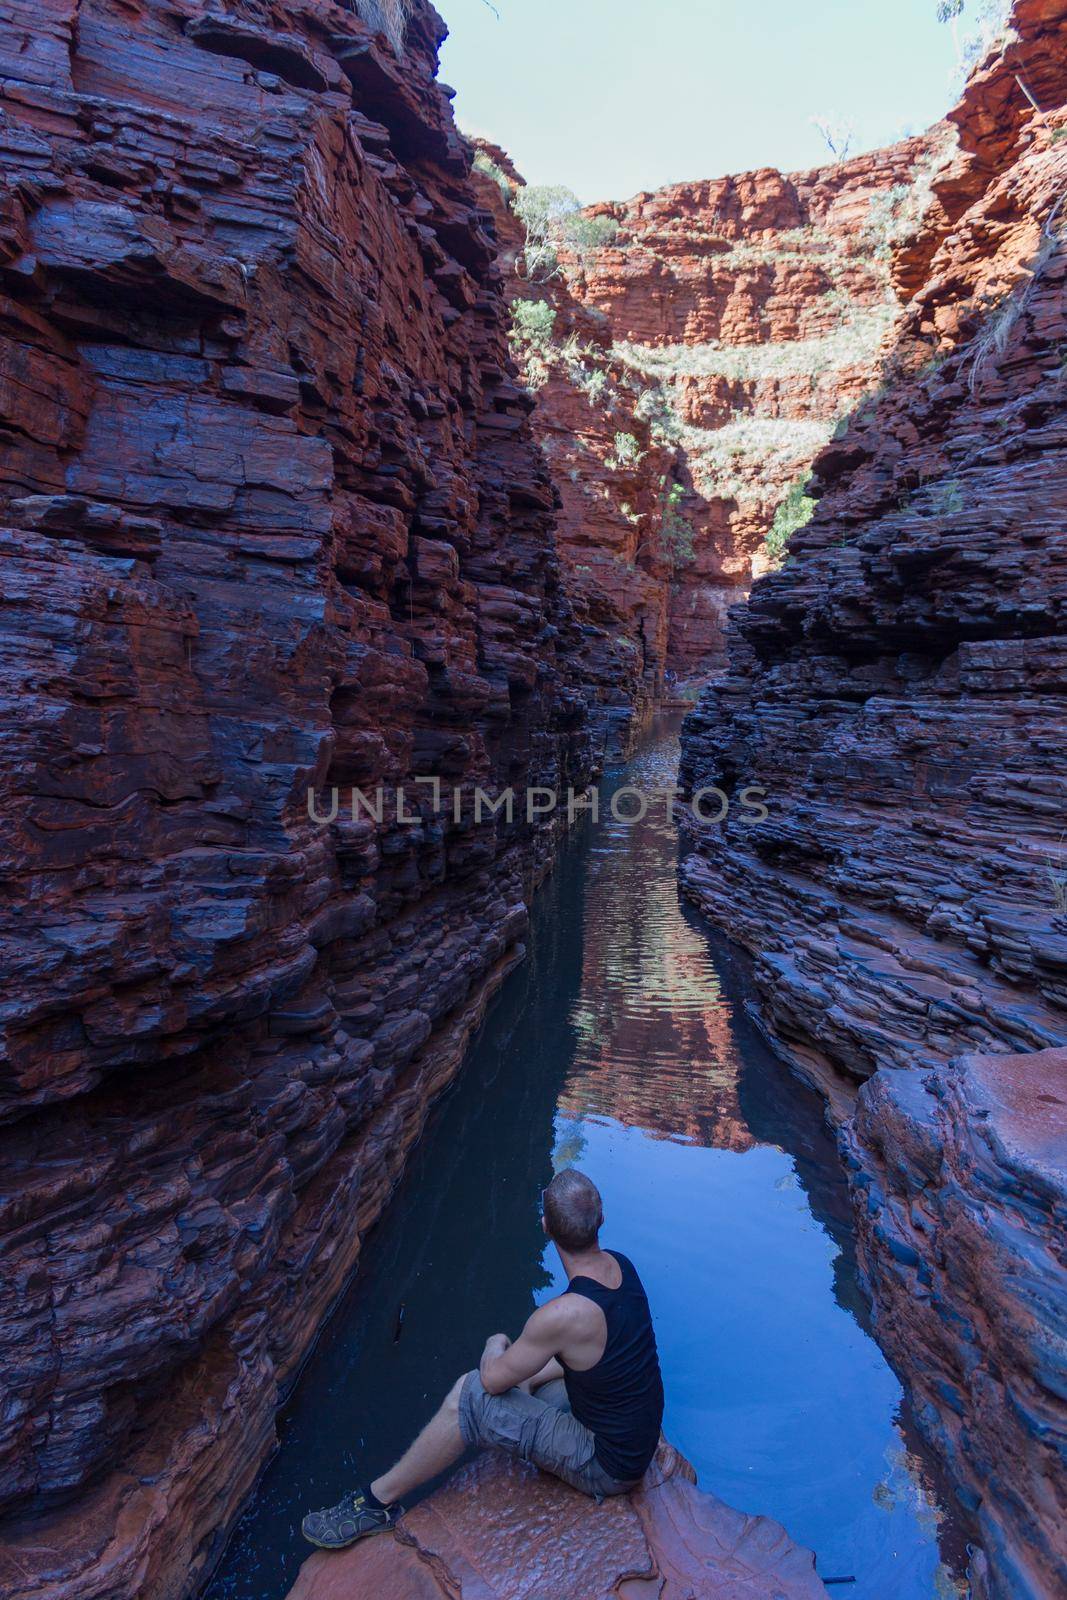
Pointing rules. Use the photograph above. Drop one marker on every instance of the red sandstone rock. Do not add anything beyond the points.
(272, 517)
(899, 689)
(616, 569)
(725, 330)
(962, 1230)
(756, 306)
(500, 1530)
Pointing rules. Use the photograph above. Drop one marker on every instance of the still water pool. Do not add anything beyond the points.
(622, 1045)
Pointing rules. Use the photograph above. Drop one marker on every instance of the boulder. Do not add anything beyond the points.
(501, 1530)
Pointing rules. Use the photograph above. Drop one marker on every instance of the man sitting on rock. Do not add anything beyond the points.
(578, 1394)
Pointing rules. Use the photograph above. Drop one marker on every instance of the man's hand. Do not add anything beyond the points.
(495, 1346)
(505, 1364)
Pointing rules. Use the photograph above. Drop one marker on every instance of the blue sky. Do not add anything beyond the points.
(614, 96)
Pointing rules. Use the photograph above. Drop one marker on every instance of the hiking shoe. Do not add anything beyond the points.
(350, 1519)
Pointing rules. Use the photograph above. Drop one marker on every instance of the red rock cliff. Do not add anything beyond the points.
(272, 518)
(697, 363)
(900, 689)
(612, 477)
(755, 308)
(686, 375)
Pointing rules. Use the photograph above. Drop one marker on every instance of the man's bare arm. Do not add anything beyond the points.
(537, 1344)
(548, 1374)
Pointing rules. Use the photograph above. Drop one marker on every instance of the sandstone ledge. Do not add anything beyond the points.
(500, 1530)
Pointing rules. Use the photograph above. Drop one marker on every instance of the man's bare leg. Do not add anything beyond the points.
(438, 1445)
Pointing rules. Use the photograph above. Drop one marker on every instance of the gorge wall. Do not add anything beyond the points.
(614, 565)
(689, 370)
(276, 517)
(751, 313)
(899, 688)
(273, 519)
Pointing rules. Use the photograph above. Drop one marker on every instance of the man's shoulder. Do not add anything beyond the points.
(569, 1310)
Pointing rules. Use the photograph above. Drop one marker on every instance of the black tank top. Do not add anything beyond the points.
(620, 1400)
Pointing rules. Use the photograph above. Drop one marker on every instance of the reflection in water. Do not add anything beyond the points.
(655, 1043)
(622, 1044)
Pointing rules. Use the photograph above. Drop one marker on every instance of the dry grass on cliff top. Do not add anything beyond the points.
(390, 17)
(849, 345)
(741, 460)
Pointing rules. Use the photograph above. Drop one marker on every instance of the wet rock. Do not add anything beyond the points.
(500, 1529)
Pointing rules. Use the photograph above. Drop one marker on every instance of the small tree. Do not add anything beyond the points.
(677, 537)
(552, 218)
(950, 11)
(795, 510)
(990, 21)
(542, 208)
(839, 134)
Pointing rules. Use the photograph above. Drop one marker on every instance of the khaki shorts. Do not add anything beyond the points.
(539, 1428)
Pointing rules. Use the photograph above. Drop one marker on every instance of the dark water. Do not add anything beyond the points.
(622, 1045)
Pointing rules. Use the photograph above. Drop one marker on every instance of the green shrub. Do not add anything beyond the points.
(591, 233)
(890, 219)
(593, 384)
(490, 169)
(628, 452)
(532, 323)
(552, 218)
(653, 406)
(793, 513)
(895, 216)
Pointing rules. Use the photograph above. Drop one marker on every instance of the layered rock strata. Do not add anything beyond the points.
(725, 331)
(273, 521)
(898, 689)
(613, 477)
(753, 312)
(500, 1530)
(963, 1176)
(686, 374)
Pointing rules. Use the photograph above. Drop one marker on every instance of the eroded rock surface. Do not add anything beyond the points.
(963, 1231)
(272, 519)
(899, 691)
(616, 561)
(751, 313)
(697, 364)
(500, 1530)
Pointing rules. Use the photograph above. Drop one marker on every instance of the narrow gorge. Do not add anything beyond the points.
(350, 484)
